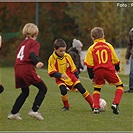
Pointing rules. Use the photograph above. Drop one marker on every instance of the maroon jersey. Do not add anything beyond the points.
(25, 74)
(25, 48)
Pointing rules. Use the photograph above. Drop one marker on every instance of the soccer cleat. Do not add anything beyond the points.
(67, 89)
(96, 110)
(14, 116)
(92, 109)
(115, 109)
(35, 115)
(65, 108)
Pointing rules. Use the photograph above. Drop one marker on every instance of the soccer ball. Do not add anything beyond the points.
(103, 104)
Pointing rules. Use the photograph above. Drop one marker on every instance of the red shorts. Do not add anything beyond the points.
(102, 75)
(25, 75)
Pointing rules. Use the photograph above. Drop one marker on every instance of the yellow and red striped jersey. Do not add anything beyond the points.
(64, 65)
(101, 55)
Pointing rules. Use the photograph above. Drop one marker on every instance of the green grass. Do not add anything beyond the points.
(78, 118)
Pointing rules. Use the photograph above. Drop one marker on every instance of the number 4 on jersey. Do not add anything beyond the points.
(21, 53)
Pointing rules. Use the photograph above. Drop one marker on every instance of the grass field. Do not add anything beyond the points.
(78, 118)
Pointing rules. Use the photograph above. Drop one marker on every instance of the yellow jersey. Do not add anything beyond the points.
(63, 65)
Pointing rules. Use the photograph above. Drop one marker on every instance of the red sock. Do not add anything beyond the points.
(118, 95)
(88, 98)
(96, 97)
(66, 103)
(65, 100)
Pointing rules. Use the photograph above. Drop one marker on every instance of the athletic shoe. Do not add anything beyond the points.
(115, 109)
(67, 89)
(65, 108)
(35, 115)
(14, 116)
(92, 109)
(96, 110)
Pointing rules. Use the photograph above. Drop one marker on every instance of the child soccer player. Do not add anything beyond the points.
(62, 67)
(25, 74)
(1, 86)
(102, 64)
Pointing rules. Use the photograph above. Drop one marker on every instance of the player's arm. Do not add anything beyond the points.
(117, 67)
(56, 75)
(35, 60)
(76, 74)
(90, 72)
(115, 59)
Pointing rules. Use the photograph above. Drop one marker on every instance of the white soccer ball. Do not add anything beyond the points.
(103, 104)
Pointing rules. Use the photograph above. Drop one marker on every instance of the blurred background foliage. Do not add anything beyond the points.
(66, 20)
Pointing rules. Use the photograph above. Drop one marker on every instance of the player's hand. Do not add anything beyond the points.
(64, 76)
(93, 81)
(39, 65)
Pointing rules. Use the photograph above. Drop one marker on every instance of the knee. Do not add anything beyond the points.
(42, 87)
(97, 89)
(81, 89)
(63, 89)
(121, 85)
(25, 92)
(1, 88)
(44, 90)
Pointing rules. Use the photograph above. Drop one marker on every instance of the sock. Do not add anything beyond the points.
(96, 97)
(118, 95)
(88, 98)
(65, 100)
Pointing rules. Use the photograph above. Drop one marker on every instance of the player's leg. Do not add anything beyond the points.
(64, 97)
(18, 104)
(42, 90)
(96, 98)
(85, 94)
(113, 78)
(117, 98)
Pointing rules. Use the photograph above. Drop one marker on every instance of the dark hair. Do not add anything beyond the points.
(97, 32)
(59, 43)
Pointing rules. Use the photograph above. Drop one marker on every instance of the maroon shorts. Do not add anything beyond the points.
(25, 75)
(102, 75)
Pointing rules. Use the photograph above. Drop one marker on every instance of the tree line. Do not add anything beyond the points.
(66, 20)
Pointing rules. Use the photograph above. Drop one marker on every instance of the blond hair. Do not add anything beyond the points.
(30, 30)
(97, 32)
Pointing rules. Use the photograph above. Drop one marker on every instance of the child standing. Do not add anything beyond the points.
(63, 69)
(25, 74)
(75, 51)
(102, 64)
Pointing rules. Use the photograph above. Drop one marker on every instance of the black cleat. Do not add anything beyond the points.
(65, 108)
(115, 109)
(96, 110)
